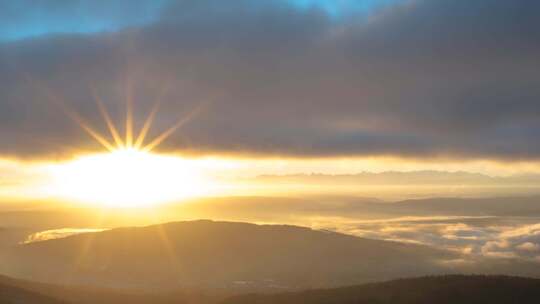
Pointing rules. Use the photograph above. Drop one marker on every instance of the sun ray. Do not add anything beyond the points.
(163, 136)
(169, 248)
(96, 135)
(129, 139)
(112, 128)
(129, 114)
(150, 119)
(146, 127)
(73, 115)
(84, 249)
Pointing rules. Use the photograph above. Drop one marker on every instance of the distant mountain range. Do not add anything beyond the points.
(276, 209)
(405, 178)
(292, 210)
(223, 255)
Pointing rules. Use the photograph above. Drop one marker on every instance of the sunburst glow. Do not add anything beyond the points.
(130, 178)
(129, 175)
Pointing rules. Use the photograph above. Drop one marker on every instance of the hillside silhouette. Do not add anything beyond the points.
(15, 291)
(207, 254)
(427, 290)
(11, 293)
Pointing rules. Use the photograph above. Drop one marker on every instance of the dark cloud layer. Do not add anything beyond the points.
(421, 78)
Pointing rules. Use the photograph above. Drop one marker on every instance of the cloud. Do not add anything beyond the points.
(419, 78)
(476, 238)
(523, 242)
(57, 234)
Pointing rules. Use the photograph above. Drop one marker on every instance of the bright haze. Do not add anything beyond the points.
(294, 137)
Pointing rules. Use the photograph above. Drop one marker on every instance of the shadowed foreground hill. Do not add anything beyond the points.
(225, 255)
(428, 290)
(10, 293)
(14, 291)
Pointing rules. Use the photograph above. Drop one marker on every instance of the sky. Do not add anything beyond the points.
(30, 19)
(429, 84)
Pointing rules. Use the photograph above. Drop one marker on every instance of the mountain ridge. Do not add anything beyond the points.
(247, 255)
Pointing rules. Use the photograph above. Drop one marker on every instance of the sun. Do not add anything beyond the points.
(129, 174)
(127, 178)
